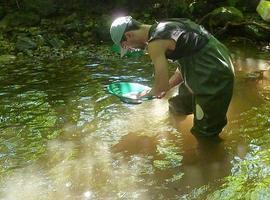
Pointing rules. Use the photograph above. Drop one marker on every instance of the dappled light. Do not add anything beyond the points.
(79, 149)
(80, 122)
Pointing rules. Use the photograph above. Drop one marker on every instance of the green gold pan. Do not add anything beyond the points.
(128, 91)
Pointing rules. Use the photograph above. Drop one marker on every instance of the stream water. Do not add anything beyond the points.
(64, 137)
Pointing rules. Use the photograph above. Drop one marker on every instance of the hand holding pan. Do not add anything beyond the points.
(129, 92)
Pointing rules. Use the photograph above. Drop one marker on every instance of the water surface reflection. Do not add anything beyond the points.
(95, 147)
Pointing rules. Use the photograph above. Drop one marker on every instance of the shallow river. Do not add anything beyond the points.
(64, 137)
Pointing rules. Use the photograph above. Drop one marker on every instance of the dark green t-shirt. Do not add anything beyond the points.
(189, 36)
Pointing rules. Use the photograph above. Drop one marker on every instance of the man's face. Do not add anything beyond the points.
(132, 40)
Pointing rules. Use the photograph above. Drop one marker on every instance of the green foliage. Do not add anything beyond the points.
(178, 8)
(250, 178)
(20, 18)
(232, 2)
(7, 58)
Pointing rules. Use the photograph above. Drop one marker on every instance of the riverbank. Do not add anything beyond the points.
(48, 31)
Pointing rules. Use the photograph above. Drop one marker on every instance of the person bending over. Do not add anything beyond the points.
(205, 74)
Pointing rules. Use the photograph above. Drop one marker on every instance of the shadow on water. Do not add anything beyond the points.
(206, 161)
(92, 146)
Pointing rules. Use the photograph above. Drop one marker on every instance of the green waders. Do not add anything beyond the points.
(207, 88)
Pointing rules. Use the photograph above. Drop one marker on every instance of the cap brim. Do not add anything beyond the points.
(123, 51)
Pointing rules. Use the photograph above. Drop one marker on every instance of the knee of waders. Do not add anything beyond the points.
(208, 128)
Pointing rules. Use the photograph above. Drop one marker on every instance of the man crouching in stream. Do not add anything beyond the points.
(205, 74)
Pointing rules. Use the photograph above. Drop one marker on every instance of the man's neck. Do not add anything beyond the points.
(145, 29)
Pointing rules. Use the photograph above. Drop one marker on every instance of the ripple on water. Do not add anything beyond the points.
(89, 145)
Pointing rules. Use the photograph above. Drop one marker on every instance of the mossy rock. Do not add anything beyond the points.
(20, 19)
(220, 16)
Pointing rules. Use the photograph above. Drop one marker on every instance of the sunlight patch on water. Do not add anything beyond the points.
(82, 164)
(86, 168)
(89, 171)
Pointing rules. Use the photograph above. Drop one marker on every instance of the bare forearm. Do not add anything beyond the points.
(157, 51)
(175, 79)
(161, 78)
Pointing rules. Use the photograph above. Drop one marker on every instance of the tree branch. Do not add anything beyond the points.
(18, 5)
(241, 24)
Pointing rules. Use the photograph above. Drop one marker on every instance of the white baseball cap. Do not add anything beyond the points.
(117, 31)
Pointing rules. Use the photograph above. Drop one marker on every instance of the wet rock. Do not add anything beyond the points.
(20, 19)
(25, 43)
(7, 58)
(220, 16)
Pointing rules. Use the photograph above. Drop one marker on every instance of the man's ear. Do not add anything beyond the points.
(129, 34)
